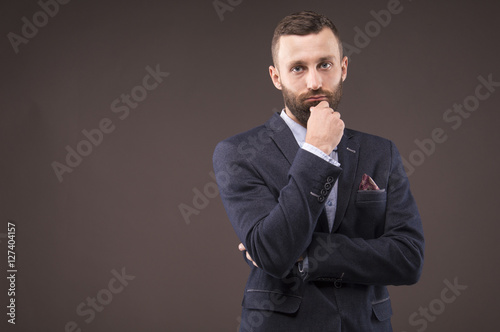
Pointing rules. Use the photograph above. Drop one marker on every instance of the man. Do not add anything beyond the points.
(324, 214)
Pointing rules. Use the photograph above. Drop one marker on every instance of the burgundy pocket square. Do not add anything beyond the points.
(367, 183)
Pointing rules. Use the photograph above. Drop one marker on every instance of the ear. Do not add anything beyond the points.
(275, 77)
(344, 63)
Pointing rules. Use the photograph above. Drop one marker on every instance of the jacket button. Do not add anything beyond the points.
(323, 192)
(321, 199)
(328, 186)
(329, 179)
(337, 283)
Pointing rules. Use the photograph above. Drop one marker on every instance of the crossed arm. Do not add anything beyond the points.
(276, 232)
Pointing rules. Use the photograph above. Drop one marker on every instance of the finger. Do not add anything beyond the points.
(323, 103)
(250, 259)
(241, 247)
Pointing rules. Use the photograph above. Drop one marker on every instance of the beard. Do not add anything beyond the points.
(300, 108)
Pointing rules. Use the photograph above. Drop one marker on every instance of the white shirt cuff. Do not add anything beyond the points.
(314, 150)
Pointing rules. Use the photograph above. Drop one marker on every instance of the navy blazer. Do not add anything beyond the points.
(274, 195)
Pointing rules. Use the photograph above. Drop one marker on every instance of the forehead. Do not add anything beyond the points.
(295, 48)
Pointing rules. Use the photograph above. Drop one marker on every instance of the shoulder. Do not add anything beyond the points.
(240, 140)
(257, 137)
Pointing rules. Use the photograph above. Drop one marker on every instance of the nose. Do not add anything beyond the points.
(313, 80)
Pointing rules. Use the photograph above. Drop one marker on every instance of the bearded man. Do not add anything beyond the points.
(324, 214)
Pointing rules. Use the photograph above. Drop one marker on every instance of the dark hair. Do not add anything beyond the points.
(302, 23)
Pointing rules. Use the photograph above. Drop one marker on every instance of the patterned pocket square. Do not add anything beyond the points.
(367, 183)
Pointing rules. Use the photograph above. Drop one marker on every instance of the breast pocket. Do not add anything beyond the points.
(370, 212)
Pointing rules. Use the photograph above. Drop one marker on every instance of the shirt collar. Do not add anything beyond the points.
(298, 131)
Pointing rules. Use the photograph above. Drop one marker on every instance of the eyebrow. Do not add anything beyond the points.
(322, 59)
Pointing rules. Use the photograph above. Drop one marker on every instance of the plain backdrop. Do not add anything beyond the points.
(119, 207)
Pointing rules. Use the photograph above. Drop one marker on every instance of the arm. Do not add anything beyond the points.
(275, 226)
(394, 258)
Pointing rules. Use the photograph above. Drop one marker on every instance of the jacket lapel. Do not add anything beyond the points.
(348, 158)
(283, 137)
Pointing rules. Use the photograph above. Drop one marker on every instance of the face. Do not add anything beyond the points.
(309, 70)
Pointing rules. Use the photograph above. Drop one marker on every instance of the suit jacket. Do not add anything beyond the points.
(274, 195)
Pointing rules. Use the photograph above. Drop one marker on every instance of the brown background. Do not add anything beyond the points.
(120, 207)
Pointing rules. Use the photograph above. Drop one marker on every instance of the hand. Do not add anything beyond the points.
(241, 247)
(324, 127)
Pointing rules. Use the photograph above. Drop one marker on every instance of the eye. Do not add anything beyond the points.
(297, 69)
(326, 65)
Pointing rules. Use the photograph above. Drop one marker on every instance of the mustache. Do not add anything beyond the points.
(315, 93)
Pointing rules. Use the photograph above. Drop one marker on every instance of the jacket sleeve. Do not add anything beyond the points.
(275, 227)
(395, 258)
